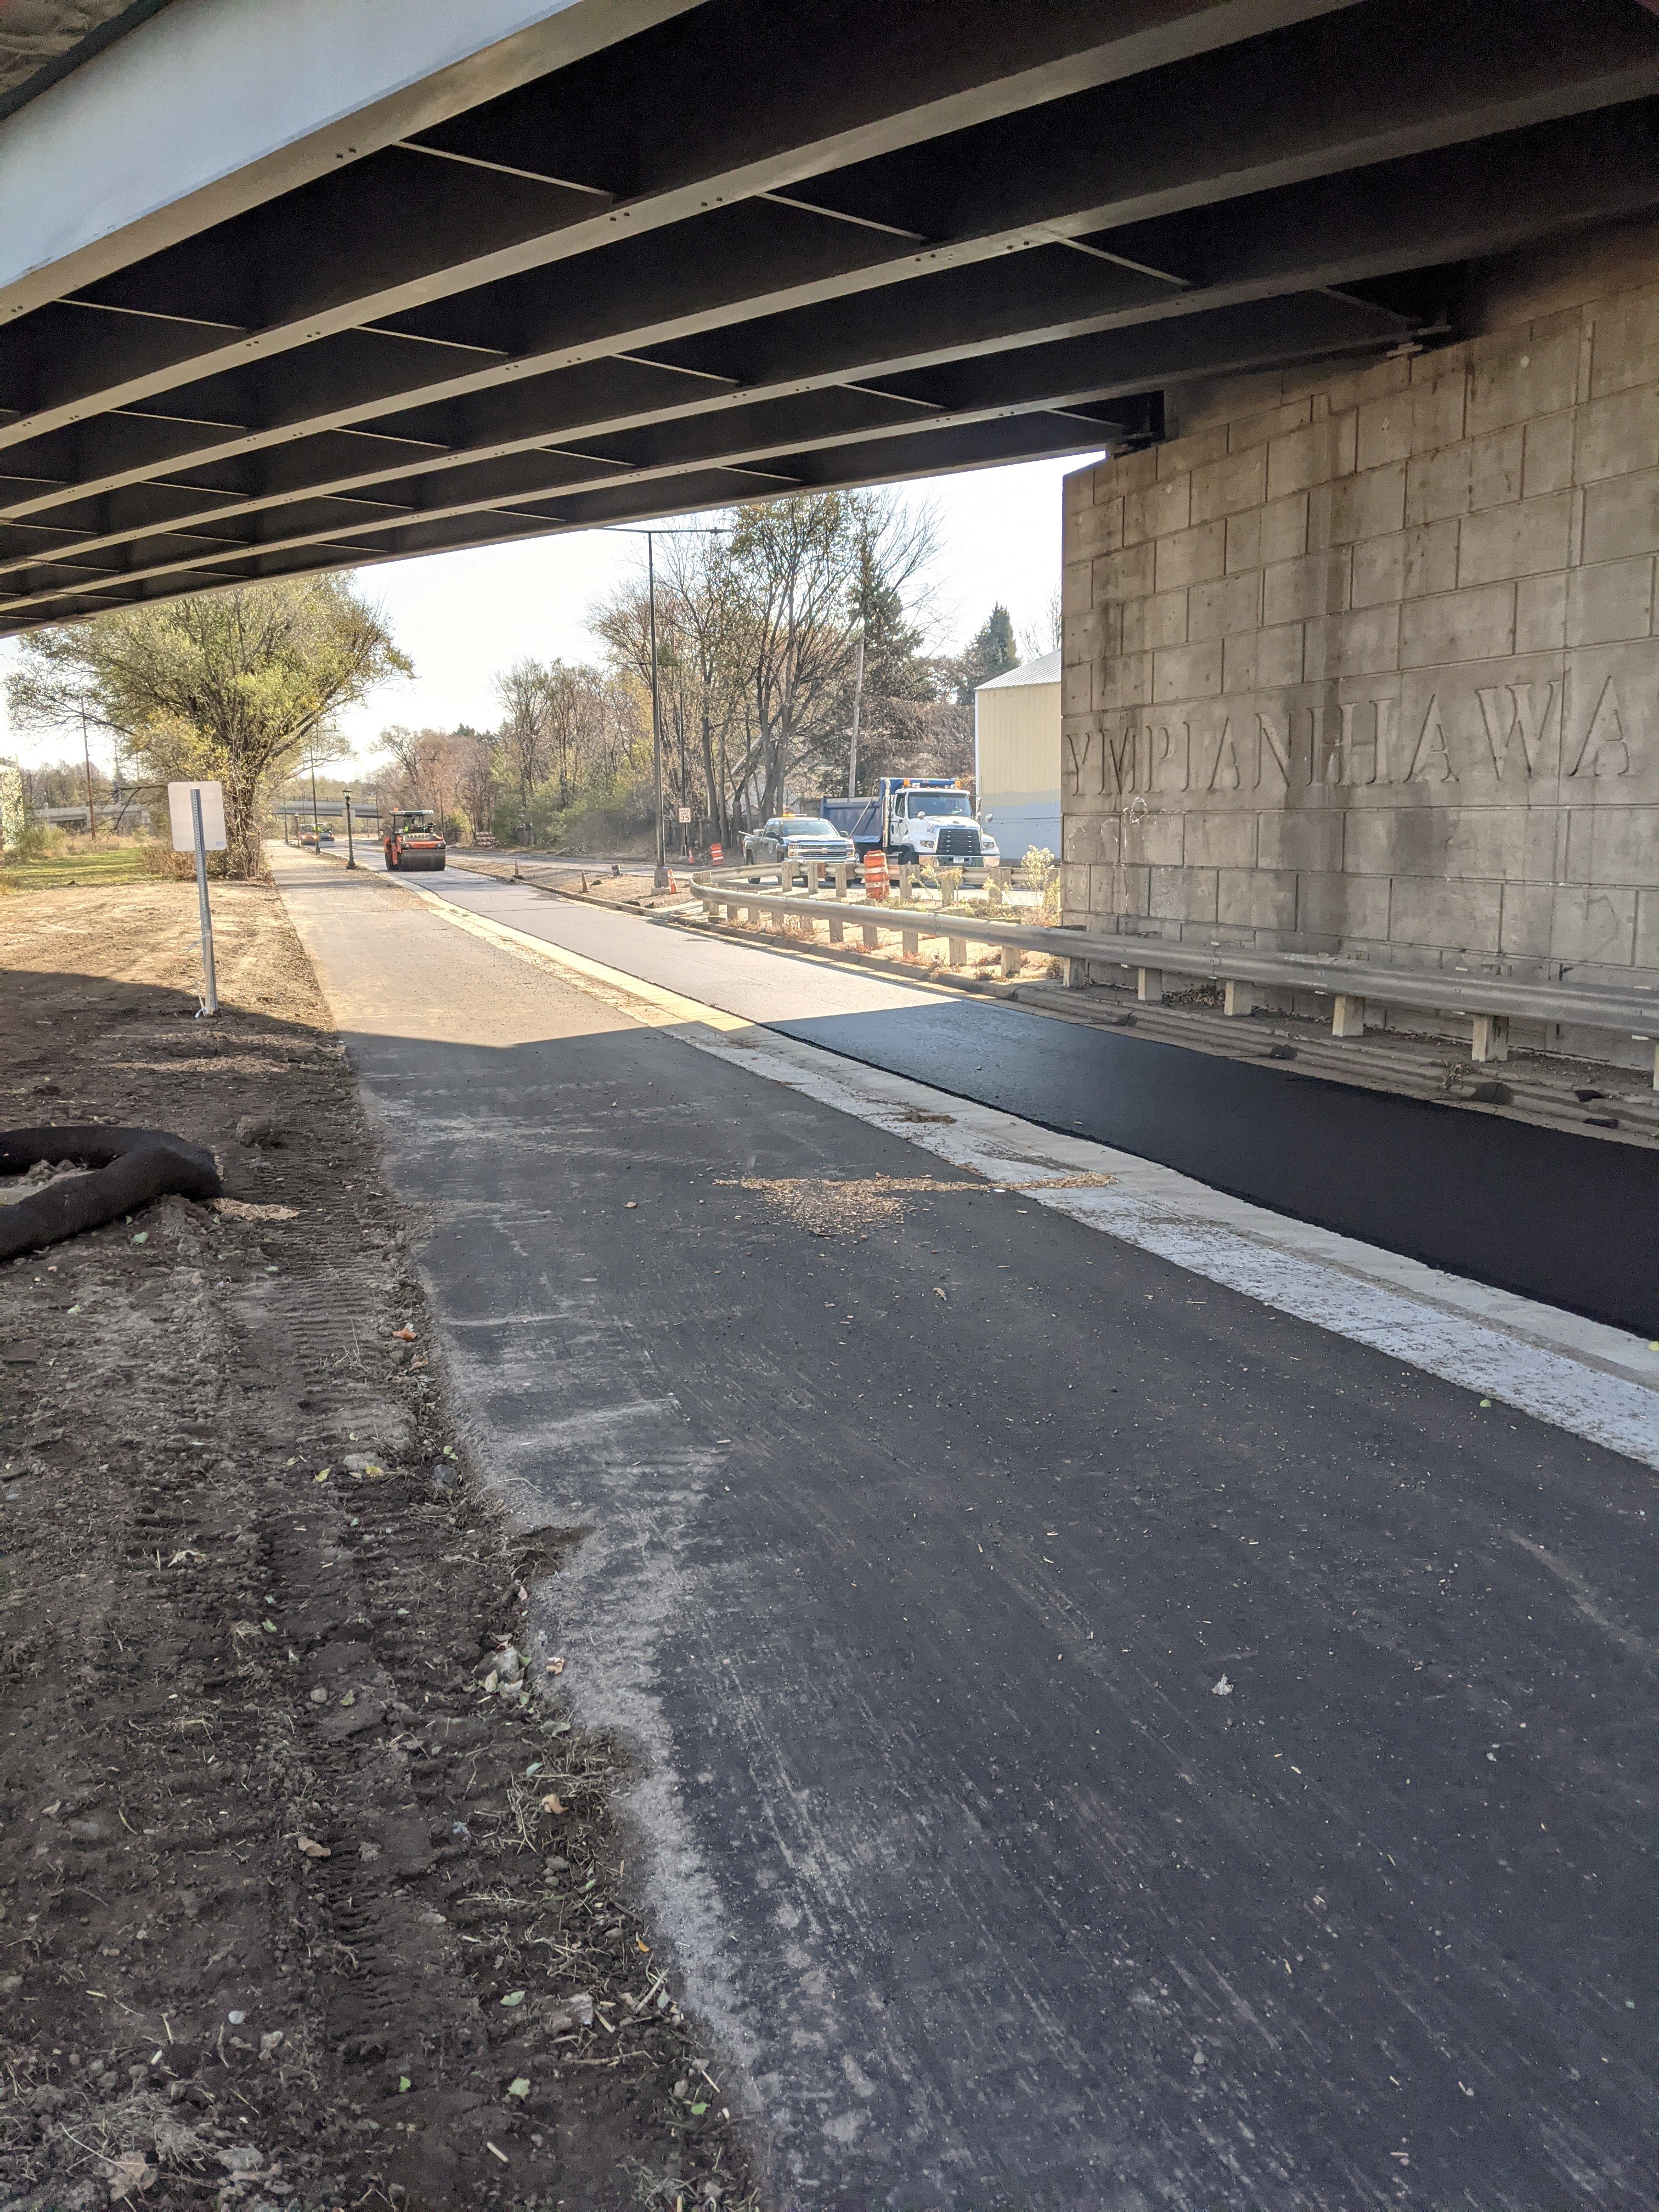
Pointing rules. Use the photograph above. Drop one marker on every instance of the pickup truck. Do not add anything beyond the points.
(910, 818)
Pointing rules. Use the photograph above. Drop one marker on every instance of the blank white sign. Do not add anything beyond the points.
(213, 817)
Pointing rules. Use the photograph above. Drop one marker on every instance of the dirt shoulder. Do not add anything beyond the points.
(305, 1900)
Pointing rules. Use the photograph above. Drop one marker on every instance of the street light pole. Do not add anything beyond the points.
(351, 850)
(660, 881)
(86, 747)
(316, 826)
(857, 703)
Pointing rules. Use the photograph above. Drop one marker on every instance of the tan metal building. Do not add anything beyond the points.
(1017, 756)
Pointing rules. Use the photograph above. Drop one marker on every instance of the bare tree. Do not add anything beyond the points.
(758, 624)
(523, 691)
(1042, 634)
(704, 696)
(407, 750)
(475, 782)
(426, 767)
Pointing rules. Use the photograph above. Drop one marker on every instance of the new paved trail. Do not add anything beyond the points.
(1571, 1220)
(1102, 1742)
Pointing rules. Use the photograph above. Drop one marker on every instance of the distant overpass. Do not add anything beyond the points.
(344, 280)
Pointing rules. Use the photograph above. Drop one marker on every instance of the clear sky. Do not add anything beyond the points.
(461, 617)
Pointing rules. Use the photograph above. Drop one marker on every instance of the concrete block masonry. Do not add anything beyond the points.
(1366, 663)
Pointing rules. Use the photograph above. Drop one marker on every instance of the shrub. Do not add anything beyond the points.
(1036, 867)
(160, 859)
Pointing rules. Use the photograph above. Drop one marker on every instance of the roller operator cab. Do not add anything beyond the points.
(415, 840)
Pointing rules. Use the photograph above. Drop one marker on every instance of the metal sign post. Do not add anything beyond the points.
(197, 813)
(210, 1003)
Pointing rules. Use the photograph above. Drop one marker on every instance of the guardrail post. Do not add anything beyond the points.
(1490, 1038)
(840, 880)
(910, 943)
(872, 936)
(837, 930)
(1149, 986)
(711, 909)
(1348, 1016)
(1073, 973)
(907, 876)
(1011, 956)
(1238, 999)
(814, 877)
(958, 952)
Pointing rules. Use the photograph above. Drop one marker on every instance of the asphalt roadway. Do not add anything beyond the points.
(1084, 1763)
(1573, 1221)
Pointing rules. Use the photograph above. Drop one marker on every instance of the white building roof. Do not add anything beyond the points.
(1043, 670)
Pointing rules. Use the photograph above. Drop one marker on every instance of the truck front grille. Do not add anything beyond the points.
(959, 843)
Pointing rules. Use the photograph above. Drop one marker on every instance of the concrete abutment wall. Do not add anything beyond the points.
(1365, 662)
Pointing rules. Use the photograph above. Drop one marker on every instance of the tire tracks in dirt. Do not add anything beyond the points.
(307, 1899)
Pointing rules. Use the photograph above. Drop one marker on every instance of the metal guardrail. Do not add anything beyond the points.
(842, 873)
(1490, 1002)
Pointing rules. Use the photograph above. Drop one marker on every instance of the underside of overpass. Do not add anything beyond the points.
(345, 282)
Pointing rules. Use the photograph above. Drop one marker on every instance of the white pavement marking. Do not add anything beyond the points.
(1597, 1383)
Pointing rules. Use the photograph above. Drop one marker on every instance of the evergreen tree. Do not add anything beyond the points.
(992, 652)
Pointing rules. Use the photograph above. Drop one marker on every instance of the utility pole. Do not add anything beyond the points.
(857, 703)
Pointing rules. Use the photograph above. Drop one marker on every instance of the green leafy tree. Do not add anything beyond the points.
(234, 686)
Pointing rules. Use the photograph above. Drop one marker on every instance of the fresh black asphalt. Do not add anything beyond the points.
(1572, 1221)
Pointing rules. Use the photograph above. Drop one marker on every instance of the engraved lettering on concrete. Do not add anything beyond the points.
(1171, 757)
(1430, 761)
(1077, 758)
(1226, 772)
(1274, 747)
(1352, 759)
(1516, 723)
(1605, 751)
(1388, 740)
(1121, 757)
